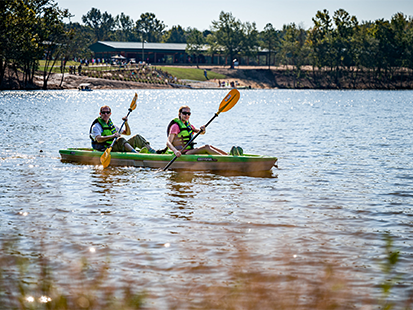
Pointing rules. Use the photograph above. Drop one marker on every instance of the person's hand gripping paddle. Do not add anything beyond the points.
(226, 104)
(105, 158)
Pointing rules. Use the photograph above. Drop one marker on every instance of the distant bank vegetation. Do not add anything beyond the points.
(339, 50)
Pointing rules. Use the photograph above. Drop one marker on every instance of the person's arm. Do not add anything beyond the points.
(202, 129)
(173, 131)
(127, 130)
(101, 139)
(97, 134)
(171, 138)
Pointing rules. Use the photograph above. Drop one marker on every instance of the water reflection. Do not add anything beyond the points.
(189, 190)
(110, 180)
(102, 180)
(181, 177)
(180, 189)
(258, 174)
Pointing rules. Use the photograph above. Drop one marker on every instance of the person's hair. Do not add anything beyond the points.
(105, 106)
(183, 107)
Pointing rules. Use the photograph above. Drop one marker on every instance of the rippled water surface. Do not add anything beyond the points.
(345, 178)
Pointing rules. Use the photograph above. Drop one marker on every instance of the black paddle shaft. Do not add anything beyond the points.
(190, 141)
(120, 129)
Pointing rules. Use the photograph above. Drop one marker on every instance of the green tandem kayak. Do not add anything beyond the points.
(246, 164)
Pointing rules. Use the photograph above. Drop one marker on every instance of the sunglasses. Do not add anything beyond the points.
(186, 113)
(105, 112)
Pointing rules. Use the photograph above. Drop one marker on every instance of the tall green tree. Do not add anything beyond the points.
(343, 47)
(212, 46)
(249, 43)
(175, 35)
(229, 35)
(19, 40)
(400, 25)
(409, 45)
(125, 26)
(53, 37)
(149, 28)
(294, 50)
(102, 24)
(93, 19)
(386, 46)
(195, 43)
(320, 39)
(269, 40)
(32, 30)
(4, 34)
(82, 37)
(345, 27)
(362, 44)
(9, 23)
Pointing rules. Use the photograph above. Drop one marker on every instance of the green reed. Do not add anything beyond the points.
(388, 267)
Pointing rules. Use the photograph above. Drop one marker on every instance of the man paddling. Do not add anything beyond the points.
(103, 131)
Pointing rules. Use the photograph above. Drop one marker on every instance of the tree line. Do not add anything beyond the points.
(334, 47)
(31, 30)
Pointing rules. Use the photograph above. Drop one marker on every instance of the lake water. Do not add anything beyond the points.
(345, 179)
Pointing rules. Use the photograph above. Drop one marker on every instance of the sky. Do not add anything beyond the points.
(200, 14)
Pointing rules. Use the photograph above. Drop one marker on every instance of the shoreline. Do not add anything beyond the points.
(244, 77)
(72, 81)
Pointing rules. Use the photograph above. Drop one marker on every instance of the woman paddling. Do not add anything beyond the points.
(180, 132)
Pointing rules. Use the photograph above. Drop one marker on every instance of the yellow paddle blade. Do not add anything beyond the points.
(229, 101)
(105, 158)
(133, 103)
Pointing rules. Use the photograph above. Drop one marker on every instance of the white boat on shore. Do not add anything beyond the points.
(85, 87)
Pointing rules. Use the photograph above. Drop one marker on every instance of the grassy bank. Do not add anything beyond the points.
(179, 72)
(191, 73)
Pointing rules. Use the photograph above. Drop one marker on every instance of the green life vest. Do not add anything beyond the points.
(108, 130)
(184, 136)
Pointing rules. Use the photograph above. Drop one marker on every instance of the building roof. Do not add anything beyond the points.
(134, 47)
(116, 46)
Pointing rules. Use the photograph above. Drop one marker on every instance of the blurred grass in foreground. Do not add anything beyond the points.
(36, 282)
(32, 284)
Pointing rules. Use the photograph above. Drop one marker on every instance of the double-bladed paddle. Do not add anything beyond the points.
(105, 158)
(226, 104)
